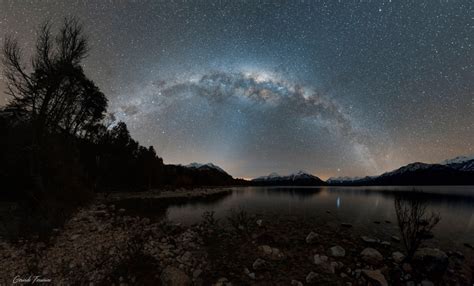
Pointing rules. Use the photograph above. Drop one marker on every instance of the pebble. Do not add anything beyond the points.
(337, 251)
(259, 264)
(311, 237)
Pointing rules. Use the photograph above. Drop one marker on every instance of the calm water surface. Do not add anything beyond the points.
(360, 206)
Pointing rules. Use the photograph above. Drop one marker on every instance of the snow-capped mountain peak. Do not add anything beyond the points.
(408, 168)
(207, 165)
(459, 159)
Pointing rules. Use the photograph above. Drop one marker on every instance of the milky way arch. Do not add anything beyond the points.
(237, 114)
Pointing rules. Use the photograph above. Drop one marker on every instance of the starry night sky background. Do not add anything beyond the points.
(331, 87)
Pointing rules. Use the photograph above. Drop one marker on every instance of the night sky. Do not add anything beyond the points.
(336, 88)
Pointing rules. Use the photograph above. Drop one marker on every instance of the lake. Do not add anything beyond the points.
(359, 206)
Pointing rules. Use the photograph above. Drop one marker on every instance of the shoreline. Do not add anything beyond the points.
(104, 239)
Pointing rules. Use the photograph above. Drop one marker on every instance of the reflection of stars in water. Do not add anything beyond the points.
(338, 202)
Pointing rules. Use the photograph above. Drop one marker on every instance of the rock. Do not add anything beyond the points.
(197, 273)
(271, 252)
(251, 275)
(172, 276)
(369, 239)
(267, 250)
(186, 256)
(296, 283)
(323, 264)
(259, 264)
(312, 236)
(430, 260)
(345, 224)
(395, 238)
(375, 277)
(319, 259)
(74, 237)
(468, 245)
(377, 222)
(311, 277)
(371, 256)
(259, 222)
(385, 243)
(398, 256)
(337, 251)
(427, 283)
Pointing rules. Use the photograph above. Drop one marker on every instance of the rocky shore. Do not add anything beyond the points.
(105, 244)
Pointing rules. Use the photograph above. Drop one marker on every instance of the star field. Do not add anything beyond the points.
(332, 87)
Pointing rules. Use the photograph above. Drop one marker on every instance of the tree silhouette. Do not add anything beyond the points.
(54, 93)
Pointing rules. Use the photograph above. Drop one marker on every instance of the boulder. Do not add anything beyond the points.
(311, 238)
(371, 256)
(337, 251)
(172, 276)
(430, 260)
(375, 277)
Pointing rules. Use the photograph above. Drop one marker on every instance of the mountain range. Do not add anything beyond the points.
(456, 171)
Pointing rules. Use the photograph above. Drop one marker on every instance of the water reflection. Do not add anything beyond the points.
(361, 207)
